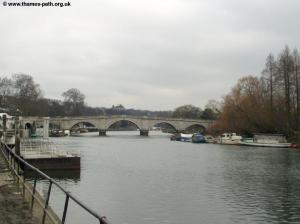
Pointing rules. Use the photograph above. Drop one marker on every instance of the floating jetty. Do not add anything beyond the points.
(53, 162)
(42, 154)
(38, 151)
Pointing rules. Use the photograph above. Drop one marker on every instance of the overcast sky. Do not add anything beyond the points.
(156, 54)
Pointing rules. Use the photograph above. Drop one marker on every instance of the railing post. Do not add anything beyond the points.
(17, 136)
(4, 120)
(24, 184)
(18, 173)
(65, 209)
(18, 167)
(33, 191)
(10, 160)
(47, 201)
(17, 144)
(13, 167)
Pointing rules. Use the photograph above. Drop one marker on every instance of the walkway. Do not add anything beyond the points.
(13, 209)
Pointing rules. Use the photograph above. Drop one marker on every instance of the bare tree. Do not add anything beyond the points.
(6, 89)
(26, 94)
(296, 57)
(286, 66)
(25, 87)
(214, 105)
(74, 101)
(268, 73)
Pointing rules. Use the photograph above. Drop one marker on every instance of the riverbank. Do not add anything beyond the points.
(13, 208)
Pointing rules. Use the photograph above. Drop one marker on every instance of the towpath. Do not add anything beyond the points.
(13, 208)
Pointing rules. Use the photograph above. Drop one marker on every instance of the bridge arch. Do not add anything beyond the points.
(134, 122)
(164, 124)
(195, 128)
(73, 124)
(111, 123)
(83, 123)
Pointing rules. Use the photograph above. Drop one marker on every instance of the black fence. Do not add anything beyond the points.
(16, 163)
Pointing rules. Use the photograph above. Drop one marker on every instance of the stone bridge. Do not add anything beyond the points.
(103, 123)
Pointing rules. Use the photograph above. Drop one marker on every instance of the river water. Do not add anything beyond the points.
(142, 180)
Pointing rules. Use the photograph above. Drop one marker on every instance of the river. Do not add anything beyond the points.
(142, 180)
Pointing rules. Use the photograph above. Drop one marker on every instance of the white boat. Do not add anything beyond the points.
(267, 140)
(186, 137)
(273, 145)
(229, 139)
(182, 137)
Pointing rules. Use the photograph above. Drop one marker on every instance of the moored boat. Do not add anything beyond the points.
(182, 137)
(83, 130)
(175, 137)
(273, 145)
(267, 140)
(229, 139)
(186, 137)
(57, 133)
(198, 138)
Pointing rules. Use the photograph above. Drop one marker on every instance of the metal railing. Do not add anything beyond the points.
(15, 163)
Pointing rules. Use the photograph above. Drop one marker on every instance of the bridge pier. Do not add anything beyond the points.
(102, 132)
(144, 132)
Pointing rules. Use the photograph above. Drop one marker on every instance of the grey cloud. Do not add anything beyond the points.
(145, 54)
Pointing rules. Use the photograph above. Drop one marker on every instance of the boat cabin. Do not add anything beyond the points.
(229, 138)
(269, 138)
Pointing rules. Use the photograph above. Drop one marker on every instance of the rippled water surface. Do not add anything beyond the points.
(143, 180)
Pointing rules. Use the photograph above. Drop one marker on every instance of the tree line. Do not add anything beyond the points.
(21, 95)
(269, 103)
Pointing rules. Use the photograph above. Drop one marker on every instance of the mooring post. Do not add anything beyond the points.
(17, 136)
(17, 145)
(4, 127)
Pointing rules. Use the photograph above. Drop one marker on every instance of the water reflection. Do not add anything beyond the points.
(262, 185)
